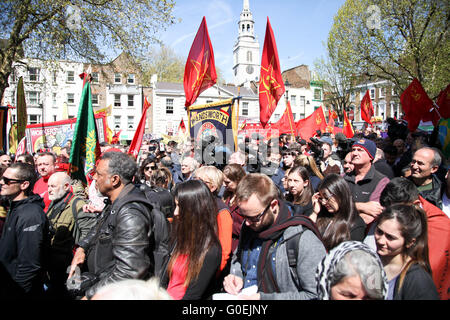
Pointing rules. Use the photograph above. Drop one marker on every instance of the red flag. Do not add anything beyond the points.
(22, 147)
(182, 127)
(116, 137)
(244, 124)
(286, 123)
(331, 117)
(347, 130)
(137, 139)
(200, 71)
(367, 108)
(443, 102)
(416, 104)
(271, 86)
(307, 127)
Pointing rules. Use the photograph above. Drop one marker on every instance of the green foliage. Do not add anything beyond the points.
(395, 40)
(92, 31)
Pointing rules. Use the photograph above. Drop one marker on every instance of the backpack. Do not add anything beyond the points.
(160, 231)
(160, 228)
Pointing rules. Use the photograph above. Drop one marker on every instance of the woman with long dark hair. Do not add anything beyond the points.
(196, 253)
(401, 238)
(232, 175)
(335, 213)
(299, 190)
(145, 170)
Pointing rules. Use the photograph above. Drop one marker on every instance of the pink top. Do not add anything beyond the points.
(176, 287)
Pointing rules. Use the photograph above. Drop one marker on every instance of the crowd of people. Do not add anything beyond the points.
(327, 218)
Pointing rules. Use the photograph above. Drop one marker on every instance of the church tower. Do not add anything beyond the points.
(246, 54)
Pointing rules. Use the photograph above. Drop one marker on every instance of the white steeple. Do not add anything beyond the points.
(246, 49)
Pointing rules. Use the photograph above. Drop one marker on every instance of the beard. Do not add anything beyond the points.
(57, 194)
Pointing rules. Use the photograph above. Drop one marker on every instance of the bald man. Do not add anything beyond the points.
(68, 224)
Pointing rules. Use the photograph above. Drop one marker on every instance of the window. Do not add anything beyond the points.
(117, 100)
(70, 76)
(117, 78)
(130, 79)
(131, 100)
(116, 122)
(13, 76)
(352, 96)
(277, 117)
(249, 56)
(372, 93)
(169, 106)
(95, 99)
(130, 122)
(54, 100)
(54, 118)
(209, 101)
(33, 74)
(33, 97)
(55, 76)
(317, 94)
(94, 76)
(70, 98)
(34, 118)
(294, 100)
(294, 115)
(302, 103)
(382, 92)
(245, 108)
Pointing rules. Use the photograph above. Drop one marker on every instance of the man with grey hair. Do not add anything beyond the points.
(188, 166)
(68, 225)
(424, 165)
(120, 246)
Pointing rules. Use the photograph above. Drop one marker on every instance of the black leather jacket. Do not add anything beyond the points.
(119, 246)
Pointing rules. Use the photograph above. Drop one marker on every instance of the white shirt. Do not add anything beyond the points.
(446, 205)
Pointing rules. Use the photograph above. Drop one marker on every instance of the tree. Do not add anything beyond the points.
(396, 40)
(169, 66)
(165, 63)
(337, 83)
(88, 30)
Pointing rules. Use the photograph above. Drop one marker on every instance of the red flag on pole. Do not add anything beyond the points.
(271, 86)
(138, 135)
(415, 103)
(200, 71)
(307, 127)
(286, 123)
(443, 102)
(182, 127)
(347, 130)
(366, 108)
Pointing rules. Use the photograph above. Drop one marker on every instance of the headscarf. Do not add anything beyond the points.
(327, 268)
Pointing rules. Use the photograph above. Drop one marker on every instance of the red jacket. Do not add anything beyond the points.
(439, 247)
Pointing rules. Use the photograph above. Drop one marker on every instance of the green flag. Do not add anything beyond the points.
(21, 111)
(85, 147)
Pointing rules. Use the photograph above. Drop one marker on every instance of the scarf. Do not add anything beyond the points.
(325, 272)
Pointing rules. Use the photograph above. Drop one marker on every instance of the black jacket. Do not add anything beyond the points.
(434, 195)
(24, 242)
(119, 246)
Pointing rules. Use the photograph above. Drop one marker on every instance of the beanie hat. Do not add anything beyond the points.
(367, 145)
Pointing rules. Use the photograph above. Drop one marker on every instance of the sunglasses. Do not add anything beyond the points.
(150, 168)
(256, 218)
(9, 181)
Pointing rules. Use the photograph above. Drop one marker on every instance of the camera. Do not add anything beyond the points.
(315, 146)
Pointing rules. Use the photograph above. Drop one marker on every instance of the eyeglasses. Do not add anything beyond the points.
(325, 199)
(9, 181)
(149, 168)
(256, 218)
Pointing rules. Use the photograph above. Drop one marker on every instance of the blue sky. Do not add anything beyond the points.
(300, 26)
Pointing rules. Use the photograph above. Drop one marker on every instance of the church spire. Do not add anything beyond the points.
(246, 23)
(246, 5)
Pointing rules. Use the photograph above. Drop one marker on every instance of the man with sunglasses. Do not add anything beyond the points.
(264, 256)
(25, 234)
